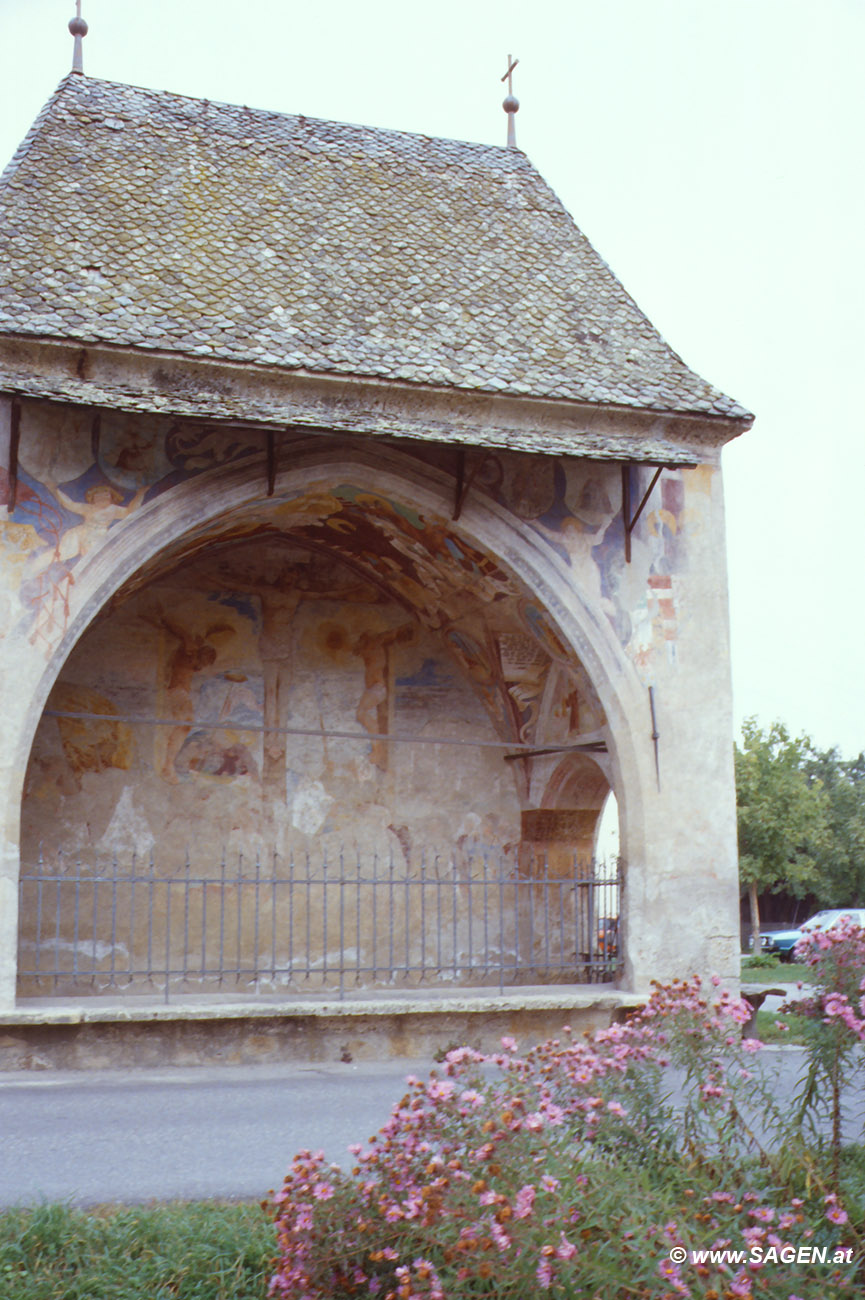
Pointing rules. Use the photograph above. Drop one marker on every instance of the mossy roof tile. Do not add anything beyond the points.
(141, 217)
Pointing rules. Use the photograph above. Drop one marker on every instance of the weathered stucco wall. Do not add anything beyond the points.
(146, 573)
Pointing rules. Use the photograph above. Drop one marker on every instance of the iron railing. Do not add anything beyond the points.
(299, 926)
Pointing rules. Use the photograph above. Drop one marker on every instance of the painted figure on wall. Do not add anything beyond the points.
(100, 509)
(48, 577)
(373, 710)
(280, 586)
(193, 656)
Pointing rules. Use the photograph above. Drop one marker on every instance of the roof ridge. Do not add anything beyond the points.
(78, 81)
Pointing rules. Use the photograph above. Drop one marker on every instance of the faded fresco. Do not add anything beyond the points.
(334, 671)
(248, 700)
(81, 475)
(577, 508)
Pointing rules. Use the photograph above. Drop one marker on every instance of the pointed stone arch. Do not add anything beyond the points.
(206, 508)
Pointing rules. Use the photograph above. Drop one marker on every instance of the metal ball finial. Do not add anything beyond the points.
(511, 104)
(78, 28)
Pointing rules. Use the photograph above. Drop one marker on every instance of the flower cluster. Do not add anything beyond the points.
(570, 1169)
(837, 958)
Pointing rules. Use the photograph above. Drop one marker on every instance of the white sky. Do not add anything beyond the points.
(712, 150)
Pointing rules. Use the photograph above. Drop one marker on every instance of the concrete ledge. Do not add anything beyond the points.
(48, 1034)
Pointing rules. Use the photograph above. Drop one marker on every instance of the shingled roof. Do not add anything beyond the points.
(140, 218)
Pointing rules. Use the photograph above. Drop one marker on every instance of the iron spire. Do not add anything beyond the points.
(78, 28)
(511, 104)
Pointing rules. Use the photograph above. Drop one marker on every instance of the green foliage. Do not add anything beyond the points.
(833, 1022)
(762, 961)
(196, 1251)
(776, 1028)
(781, 815)
(801, 817)
(590, 1167)
(767, 968)
(841, 877)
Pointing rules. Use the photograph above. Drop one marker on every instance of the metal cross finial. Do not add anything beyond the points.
(78, 28)
(511, 104)
(506, 77)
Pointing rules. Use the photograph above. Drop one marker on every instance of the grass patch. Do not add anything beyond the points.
(768, 1031)
(785, 972)
(198, 1250)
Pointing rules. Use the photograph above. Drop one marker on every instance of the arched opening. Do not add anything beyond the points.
(335, 671)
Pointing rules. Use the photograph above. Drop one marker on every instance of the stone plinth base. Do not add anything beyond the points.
(99, 1034)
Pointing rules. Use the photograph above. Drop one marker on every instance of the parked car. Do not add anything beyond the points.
(782, 942)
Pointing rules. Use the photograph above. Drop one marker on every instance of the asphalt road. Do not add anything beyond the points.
(228, 1132)
(182, 1133)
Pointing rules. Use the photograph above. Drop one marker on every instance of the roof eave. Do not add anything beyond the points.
(272, 397)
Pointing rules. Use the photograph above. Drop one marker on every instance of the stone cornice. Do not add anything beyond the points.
(270, 398)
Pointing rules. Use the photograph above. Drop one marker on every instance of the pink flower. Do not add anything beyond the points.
(835, 1214)
(524, 1202)
(439, 1089)
(741, 1285)
(544, 1273)
(499, 1236)
(549, 1183)
(322, 1191)
(509, 1044)
(565, 1249)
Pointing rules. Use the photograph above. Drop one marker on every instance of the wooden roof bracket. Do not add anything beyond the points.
(630, 521)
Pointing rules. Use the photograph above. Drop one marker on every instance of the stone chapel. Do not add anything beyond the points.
(356, 527)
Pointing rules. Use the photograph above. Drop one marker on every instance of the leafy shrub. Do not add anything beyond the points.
(833, 1022)
(588, 1166)
(762, 961)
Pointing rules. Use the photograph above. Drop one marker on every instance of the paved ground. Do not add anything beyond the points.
(214, 1131)
(179, 1133)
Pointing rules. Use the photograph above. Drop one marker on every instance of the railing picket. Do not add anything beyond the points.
(357, 939)
(454, 927)
(187, 870)
(550, 927)
(167, 939)
(423, 915)
(341, 923)
(375, 916)
(221, 963)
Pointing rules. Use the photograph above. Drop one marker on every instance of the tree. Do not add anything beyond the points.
(782, 815)
(841, 878)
